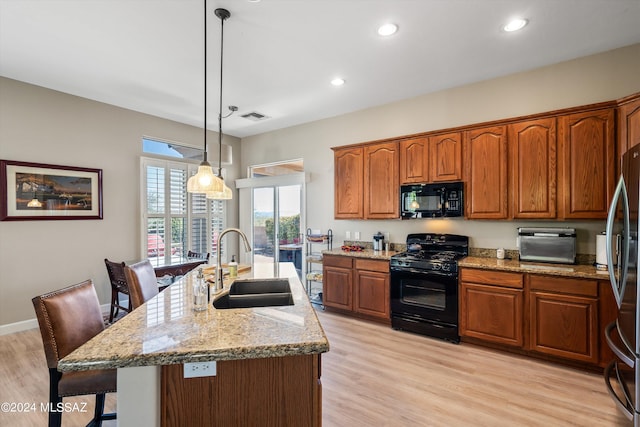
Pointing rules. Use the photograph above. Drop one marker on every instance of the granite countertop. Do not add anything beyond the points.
(366, 253)
(568, 270)
(166, 330)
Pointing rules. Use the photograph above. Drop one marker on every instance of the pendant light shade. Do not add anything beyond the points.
(225, 194)
(205, 181)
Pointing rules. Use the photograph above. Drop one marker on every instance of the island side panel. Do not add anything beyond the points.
(138, 396)
(269, 392)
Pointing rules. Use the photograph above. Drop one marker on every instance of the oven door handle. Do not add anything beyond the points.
(421, 272)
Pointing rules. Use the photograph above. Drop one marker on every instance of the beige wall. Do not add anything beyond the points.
(44, 126)
(597, 78)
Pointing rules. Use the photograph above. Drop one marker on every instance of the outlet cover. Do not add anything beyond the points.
(200, 369)
(347, 235)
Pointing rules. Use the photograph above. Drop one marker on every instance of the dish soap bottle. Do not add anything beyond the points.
(233, 267)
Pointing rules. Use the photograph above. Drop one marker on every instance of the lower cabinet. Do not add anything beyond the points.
(357, 285)
(540, 314)
(491, 306)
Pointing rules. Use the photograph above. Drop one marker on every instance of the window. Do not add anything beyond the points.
(175, 221)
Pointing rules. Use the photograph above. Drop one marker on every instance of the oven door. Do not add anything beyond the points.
(427, 295)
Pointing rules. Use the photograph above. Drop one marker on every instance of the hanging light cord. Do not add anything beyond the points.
(205, 80)
(223, 15)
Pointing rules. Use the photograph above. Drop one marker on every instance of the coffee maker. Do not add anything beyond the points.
(378, 241)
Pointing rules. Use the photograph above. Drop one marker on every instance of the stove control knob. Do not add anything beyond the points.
(436, 266)
(446, 267)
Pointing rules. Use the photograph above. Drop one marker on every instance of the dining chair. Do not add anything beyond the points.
(118, 286)
(198, 255)
(143, 285)
(67, 319)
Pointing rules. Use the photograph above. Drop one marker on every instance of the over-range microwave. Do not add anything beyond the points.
(432, 200)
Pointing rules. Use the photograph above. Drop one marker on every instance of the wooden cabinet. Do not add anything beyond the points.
(414, 160)
(628, 124)
(491, 306)
(587, 164)
(563, 315)
(537, 314)
(372, 288)
(249, 392)
(445, 157)
(532, 163)
(381, 181)
(348, 183)
(337, 282)
(485, 158)
(357, 285)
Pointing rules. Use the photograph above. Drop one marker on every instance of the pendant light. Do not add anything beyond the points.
(205, 181)
(225, 192)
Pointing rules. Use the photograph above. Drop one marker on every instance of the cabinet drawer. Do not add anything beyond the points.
(372, 265)
(564, 285)
(337, 261)
(491, 277)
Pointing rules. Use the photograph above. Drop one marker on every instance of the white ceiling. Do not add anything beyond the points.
(280, 55)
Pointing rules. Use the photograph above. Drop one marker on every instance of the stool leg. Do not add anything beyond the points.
(99, 410)
(114, 299)
(55, 416)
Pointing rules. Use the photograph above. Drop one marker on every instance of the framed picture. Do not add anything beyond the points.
(35, 191)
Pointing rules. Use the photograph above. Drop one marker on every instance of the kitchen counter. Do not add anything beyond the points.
(166, 330)
(566, 270)
(366, 253)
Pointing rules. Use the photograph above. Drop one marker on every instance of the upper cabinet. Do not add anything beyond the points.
(381, 181)
(414, 160)
(485, 159)
(367, 182)
(532, 163)
(348, 185)
(628, 123)
(445, 157)
(587, 164)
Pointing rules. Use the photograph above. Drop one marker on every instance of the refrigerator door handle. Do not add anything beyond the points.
(618, 284)
(622, 403)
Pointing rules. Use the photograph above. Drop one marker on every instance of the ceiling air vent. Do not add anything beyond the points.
(254, 116)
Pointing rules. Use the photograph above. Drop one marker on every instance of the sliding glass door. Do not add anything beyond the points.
(277, 236)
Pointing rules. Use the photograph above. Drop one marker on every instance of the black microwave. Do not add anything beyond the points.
(432, 200)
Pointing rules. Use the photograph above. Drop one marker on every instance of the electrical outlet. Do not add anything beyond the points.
(200, 369)
(356, 235)
(347, 235)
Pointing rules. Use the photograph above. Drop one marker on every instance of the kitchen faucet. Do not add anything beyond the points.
(218, 283)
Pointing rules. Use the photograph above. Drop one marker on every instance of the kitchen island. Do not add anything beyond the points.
(267, 359)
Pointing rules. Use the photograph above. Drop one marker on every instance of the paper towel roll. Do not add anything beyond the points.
(601, 251)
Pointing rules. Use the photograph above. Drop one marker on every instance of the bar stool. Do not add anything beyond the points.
(118, 286)
(68, 318)
(143, 285)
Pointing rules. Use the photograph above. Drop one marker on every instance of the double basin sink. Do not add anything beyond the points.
(248, 293)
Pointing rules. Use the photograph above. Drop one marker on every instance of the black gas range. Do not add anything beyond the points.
(424, 285)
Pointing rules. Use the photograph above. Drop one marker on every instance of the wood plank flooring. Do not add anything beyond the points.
(375, 376)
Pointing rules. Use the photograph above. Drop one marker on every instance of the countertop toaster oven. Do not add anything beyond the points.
(557, 245)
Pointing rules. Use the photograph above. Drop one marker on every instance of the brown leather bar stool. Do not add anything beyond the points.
(68, 318)
(118, 286)
(198, 255)
(143, 285)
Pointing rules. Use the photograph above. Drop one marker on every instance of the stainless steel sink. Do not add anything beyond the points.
(247, 293)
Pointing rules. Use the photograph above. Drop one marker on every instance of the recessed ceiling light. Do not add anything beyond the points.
(515, 25)
(387, 29)
(337, 81)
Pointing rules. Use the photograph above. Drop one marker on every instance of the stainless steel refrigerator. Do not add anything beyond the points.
(622, 375)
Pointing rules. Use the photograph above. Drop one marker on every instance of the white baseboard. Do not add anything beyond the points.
(25, 325)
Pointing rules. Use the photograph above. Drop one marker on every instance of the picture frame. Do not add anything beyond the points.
(38, 191)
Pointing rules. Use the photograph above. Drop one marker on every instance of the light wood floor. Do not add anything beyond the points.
(375, 376)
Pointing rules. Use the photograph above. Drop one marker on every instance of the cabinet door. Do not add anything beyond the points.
(372, 293)
(564, 326)
(348, 183)
(492, 313)
(587, 176)
(381, 181)
(337, 287)
(414, 161)
(485, 152)
(532, 147)
(445, 154)
(628, 125)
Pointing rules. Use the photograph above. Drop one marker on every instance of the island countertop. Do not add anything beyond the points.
(166, 330)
